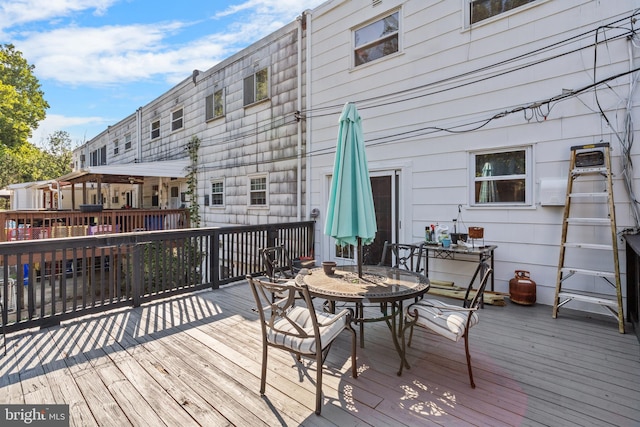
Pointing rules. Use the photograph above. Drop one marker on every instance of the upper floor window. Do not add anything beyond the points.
(116, 149)
(501, 177)
(217, 193)
(258, 190)
(256, 87)
(155, 129)
(99, 156)
(377, 39)
(177, 119)
(214, 105)
(127, 141)
(480, 10)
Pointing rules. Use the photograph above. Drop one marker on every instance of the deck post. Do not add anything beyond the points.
(137, 266)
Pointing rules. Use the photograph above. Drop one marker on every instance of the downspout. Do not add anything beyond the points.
(307, 15)
(139, 157)
(139, 133)
(57, 190)
(44, 197)
(627, 170)
(299, 118)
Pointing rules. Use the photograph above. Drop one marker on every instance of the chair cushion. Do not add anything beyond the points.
(445, 319)
(302, 317)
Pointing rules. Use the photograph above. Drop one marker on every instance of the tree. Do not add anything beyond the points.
(57, 156)
(22, 103)
(25, 162)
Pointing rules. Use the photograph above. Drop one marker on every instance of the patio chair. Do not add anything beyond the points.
(403, 255)
(298, 329)
(450, 321)
(277, 263)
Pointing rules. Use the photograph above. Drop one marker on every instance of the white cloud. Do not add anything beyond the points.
(113, 54)
(96, 56)
(121, 54)
(17, 12)
(79, 56)
(270, 7)
(79, 128)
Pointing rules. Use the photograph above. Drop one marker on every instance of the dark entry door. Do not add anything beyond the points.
(384, 186)
(383, 200)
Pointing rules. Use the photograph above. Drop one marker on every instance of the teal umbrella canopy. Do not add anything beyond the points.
(351, 217)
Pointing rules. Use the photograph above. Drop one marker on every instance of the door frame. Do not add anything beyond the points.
(401, 188)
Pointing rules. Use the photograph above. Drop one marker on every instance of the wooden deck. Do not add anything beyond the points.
(195, 360)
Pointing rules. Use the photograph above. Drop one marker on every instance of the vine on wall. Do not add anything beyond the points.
(192, 181)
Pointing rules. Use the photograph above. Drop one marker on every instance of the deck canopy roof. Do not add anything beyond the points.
(130, 173)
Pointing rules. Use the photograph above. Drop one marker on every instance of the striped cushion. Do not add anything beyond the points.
(280, 333)
(447, 320)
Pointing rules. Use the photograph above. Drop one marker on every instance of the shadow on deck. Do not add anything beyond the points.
(195, 360)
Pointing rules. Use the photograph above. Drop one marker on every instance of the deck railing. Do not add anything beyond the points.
(42, 224)
(43, 282)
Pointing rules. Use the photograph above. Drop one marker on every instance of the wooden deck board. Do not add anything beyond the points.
(196, 360)
(63, 385)
(181, 360)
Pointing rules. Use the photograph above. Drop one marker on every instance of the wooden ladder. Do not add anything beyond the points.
(593, 160)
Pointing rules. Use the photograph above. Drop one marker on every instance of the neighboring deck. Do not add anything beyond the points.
(195, 360)
(45, 224)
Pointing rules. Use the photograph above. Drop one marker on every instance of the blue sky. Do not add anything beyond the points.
(99, 60)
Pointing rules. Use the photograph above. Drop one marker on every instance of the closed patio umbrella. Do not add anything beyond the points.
(351, 217)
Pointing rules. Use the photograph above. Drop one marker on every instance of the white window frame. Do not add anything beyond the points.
(251, 191)
(212, 105)
(154, 129)
(99, 156)
(177, 119)
(127, 141)
(253, 88)
(466, 6)
(221, 193)
(116, 148)
(396, 34)
(528, 177)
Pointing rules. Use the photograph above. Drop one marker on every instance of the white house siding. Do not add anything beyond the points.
(260, 138)
(170, 144)
(399, 93)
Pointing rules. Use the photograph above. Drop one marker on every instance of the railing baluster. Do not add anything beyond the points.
(88, 274)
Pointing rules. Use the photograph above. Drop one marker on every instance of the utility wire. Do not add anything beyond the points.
(536, 113)
(531, 111)
(312, 112)
(461, 128)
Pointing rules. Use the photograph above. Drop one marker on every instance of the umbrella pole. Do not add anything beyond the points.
(359, 257)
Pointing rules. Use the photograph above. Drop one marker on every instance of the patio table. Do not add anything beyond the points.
(483, 255)
(386, 286)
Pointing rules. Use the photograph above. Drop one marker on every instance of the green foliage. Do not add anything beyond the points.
(57, 156)
(22, 103)
(168, 265)
(192, 181)
(25, 162)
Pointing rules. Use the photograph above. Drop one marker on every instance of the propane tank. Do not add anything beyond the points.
(522, 290)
